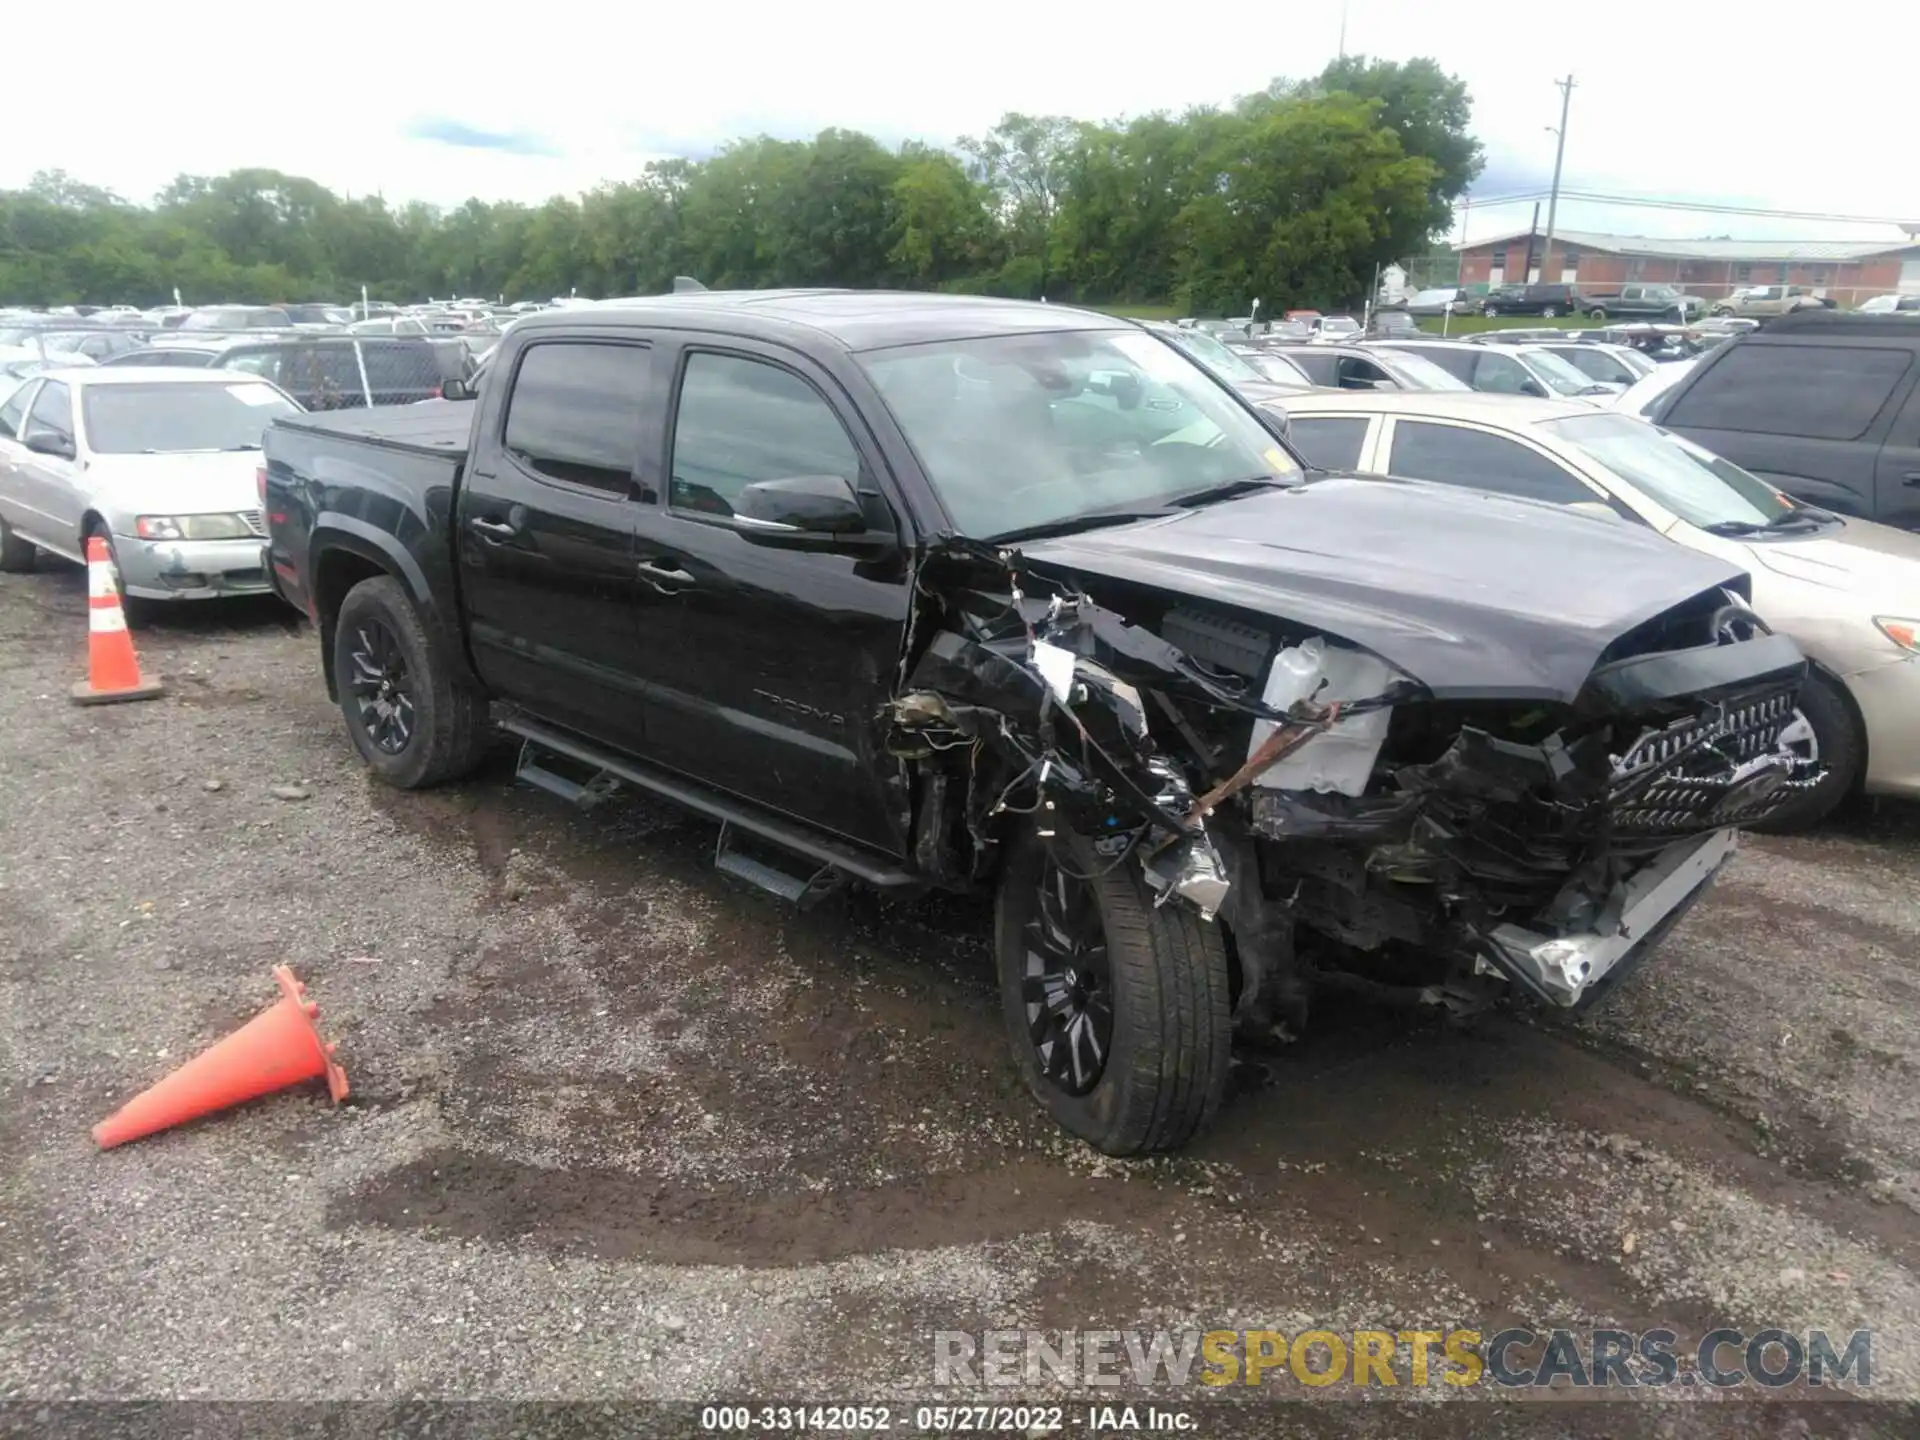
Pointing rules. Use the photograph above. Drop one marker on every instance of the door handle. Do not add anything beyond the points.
(493, 530)
(1912, 477)
(660, 574)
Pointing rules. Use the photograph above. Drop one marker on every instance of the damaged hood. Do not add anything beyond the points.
(1473, 595)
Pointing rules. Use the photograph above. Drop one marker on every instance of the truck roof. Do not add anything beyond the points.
(855, 319)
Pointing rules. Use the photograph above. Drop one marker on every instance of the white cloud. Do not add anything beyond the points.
(1696, 99)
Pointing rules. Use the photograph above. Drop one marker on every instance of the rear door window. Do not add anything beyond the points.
(1322, 370)
(1332, 442)
(1596, 363)
(576, 412)
(1457, 363)
(1358, 374)
(1476, 460)
(401, 367)
(264, 363)
(1815, 392)
(1499, 374)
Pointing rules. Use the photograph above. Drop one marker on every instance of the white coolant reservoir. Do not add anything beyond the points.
(1341, 760)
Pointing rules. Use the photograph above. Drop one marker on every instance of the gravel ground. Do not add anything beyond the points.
(620, 1129)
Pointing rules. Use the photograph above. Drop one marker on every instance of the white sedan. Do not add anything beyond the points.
(160, 463)
(1847, 591)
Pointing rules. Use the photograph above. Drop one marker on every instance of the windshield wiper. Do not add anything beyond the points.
(1124, 515)
(1231, 488)
(1801, 515)
(1073, 524)
(1804, 516)
(230, 449)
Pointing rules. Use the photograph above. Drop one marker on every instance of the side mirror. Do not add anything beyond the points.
(807, 512)
(456, 390)
(1276, 419)
(50, 442)
(1533, 388)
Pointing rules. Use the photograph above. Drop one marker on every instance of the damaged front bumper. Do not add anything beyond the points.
(1573, 969)
(1339, 821)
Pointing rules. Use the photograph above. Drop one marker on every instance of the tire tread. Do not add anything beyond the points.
(1172, 967)
(458, 732)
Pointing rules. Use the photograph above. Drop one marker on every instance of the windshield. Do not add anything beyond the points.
(1693, 483)
(1416, 372)
(1019, 431)
(1564, 378)
(1339, 325)
(1215, 356)
(169, 419)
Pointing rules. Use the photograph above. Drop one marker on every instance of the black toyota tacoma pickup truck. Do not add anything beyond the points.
(932, 591)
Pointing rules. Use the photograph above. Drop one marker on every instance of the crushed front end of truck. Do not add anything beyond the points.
(1347, 826)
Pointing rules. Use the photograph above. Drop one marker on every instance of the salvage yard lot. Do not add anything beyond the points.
(621, 1129)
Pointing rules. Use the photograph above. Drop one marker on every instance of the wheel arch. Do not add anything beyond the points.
(344, 551)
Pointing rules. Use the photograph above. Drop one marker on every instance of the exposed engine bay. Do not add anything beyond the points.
(1348, 826)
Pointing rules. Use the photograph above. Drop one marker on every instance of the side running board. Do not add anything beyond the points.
(833, 864)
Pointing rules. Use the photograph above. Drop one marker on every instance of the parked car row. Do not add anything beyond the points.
(1634, 302)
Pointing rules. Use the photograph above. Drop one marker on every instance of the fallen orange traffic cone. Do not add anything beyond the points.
(273, 1050)
(113, 672)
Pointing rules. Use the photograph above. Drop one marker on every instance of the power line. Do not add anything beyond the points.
(1691, 207)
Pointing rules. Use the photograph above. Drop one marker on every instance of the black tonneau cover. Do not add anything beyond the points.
(433, 427)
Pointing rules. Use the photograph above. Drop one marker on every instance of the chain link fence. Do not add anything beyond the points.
(347, 372)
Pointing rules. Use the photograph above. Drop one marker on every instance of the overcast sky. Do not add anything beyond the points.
(1686, 99)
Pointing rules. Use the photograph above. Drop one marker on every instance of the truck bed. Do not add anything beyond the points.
(437, 428)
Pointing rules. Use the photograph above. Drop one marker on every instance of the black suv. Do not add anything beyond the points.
(1823, 404)
(1547, 300)
(324, 372)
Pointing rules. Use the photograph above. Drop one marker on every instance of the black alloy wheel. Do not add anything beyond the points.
(1067, 985)
(382, 687)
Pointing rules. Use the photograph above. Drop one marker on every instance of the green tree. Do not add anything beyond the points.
(1292, 194)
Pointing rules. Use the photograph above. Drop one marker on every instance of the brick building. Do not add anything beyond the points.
(1848, 271)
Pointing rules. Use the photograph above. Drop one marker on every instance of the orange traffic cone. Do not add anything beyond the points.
(113, 673)
(275, 1049)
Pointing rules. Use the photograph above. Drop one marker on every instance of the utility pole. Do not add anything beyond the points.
(1559, 154)
(1343, 29)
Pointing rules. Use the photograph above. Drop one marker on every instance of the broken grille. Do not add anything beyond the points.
(1724, 767)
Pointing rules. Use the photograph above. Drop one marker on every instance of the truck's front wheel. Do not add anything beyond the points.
(1117, 1010)
(409, 722)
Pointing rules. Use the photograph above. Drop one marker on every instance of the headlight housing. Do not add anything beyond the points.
(1903, 632)
(192, 527)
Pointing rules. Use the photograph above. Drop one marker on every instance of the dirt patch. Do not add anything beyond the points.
(616, 1215)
